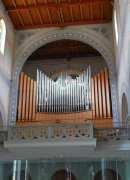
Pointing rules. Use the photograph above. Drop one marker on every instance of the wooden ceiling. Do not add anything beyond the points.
(66, 49)
(26, 14)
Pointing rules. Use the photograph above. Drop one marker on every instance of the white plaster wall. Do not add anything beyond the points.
(4, 98)
(122, 8)
(6, 64)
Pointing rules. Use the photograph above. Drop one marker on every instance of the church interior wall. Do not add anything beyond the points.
(6, 59)
(122, 9)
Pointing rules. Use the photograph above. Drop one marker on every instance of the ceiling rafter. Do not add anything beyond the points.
(91, 11)
(40, 17)
(30, 17)
(19, 14)
(101, 11)
(14, 2)
(49, 5)
(71, 13)
(81, 12)
(64, 49)
(63, 56)
(49, 16)
(21, 19)
(38, 12)
(61, 13)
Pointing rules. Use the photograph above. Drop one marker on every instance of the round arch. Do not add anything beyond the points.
(42, 39)
(124, 108)
(2, 115)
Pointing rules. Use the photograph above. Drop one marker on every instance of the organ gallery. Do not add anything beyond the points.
(66, 99)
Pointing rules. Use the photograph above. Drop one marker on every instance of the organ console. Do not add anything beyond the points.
(65, 100)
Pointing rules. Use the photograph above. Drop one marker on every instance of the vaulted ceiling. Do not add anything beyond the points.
(26, 14)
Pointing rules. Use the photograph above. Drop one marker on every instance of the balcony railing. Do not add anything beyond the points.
(112, 134)
(64, 132)
(50, 132)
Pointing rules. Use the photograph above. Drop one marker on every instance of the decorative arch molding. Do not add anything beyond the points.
(42, 39)
(2, 112)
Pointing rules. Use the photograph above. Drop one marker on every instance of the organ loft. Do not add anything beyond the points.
(68, 98)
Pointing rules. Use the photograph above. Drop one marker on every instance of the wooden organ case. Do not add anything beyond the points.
(66, 100)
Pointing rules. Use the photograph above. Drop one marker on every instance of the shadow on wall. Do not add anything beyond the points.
(124, 108)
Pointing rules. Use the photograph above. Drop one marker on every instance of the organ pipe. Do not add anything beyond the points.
(65, 94)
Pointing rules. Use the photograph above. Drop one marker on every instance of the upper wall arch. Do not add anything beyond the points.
(29, 46)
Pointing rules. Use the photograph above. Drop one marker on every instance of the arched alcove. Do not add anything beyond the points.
(124, 107)
(61, 175)
(28, 48)
(2, 35)
(107, 174)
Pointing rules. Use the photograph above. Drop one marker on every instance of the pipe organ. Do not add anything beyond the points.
(65, 94)
(67, 99)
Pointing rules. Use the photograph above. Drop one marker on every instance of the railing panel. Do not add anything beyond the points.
(50, 132)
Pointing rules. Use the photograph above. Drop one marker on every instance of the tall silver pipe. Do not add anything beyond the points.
(64, 95)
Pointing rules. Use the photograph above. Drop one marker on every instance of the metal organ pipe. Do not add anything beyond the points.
(65, 94)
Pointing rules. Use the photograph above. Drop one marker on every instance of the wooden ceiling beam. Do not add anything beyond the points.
(38, 12)
(64, 24)
(61, 13)
(101, 11)
(81, 12)
(25, 2)
(91, 12)
(14, 3)
(71, 14)
(21, 19)
(63, 56)
(19, 14)
(40, 17)
(58, 5)
(49, 16)
(30, 17)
